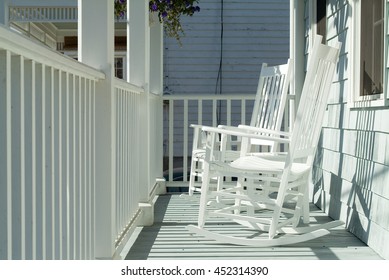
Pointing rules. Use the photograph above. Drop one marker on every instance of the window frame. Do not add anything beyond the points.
(356, 100)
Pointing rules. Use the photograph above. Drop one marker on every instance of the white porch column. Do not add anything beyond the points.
(297, 47)
(96, 48)
(156, 55)
(138, 44)
(156, 87)
(138, 49)
(4, 12)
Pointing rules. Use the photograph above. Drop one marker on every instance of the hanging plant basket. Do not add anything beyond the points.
(169, 13)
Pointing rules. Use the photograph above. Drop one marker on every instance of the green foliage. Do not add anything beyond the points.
(169, 13)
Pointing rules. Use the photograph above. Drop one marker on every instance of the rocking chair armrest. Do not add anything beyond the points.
(200, 126)
(252, 129)
(243, 133)
(262, 130)
(196, 126)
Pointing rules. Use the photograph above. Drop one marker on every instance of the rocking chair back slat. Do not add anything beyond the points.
(270, 102)
(314, 97)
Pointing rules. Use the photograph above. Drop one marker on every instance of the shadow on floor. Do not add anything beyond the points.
(168, 239)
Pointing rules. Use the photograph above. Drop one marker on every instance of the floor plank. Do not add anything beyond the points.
(169, 239)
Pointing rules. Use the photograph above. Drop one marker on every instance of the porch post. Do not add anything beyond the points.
(96, 48)
(4, 12)
(156, 87)
(156, 55)
(297, 42)
(138, 44)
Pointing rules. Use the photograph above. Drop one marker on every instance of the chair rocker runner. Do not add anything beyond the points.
(271, 193)
(267, 113)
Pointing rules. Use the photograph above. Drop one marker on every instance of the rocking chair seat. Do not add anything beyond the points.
(258, 163)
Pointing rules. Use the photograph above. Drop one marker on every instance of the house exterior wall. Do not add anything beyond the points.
(253, 32)
(351, 172)
(214, 60)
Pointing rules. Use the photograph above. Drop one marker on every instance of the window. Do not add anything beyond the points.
(372, 51)
(321, 18)
(367, 53)
(119, 67)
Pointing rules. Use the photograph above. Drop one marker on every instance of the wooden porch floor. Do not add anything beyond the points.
(168, 239)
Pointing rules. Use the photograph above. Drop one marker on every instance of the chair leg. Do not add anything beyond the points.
(204, 195)
(192, 176)
(305, 206)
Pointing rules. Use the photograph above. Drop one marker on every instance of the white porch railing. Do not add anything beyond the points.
(47, 14)
(180, 111)
(48, 151)
(138, 160)
(128, 175)
(43, 14)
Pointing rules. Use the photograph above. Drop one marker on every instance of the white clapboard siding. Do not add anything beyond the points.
(253, 32)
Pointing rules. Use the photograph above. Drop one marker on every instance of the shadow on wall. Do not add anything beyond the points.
(351, 192)
(349, 172)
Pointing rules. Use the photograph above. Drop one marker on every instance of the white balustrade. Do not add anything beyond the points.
(180, 111)
(43, 14)
(48, 152)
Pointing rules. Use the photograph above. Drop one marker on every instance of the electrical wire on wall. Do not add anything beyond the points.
(219, 79)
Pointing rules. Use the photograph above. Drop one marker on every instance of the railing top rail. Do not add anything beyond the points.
(21, 45)
(209, 97)
(214, 97)
(63, 5)
(122, 84)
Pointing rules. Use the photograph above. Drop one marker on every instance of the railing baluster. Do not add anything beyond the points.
(60, 164)
(200, 111)
(33, 161)
(52, 167)
(185, 142)
(22, 158)
(93, 171)
(171, 138)
(89, 179)
(127, 190)
(9, 155)
(243, 111)
(37, 143)
(6, 237)
(45, 109)
(67, 168)
(228, 111)
(214, 112)
(85, 177)
(79, 196)
(73, 219)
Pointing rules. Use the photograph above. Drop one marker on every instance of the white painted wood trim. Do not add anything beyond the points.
(40, 54)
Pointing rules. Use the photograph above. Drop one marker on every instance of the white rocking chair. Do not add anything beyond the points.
(268, 112)
(271, 193)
